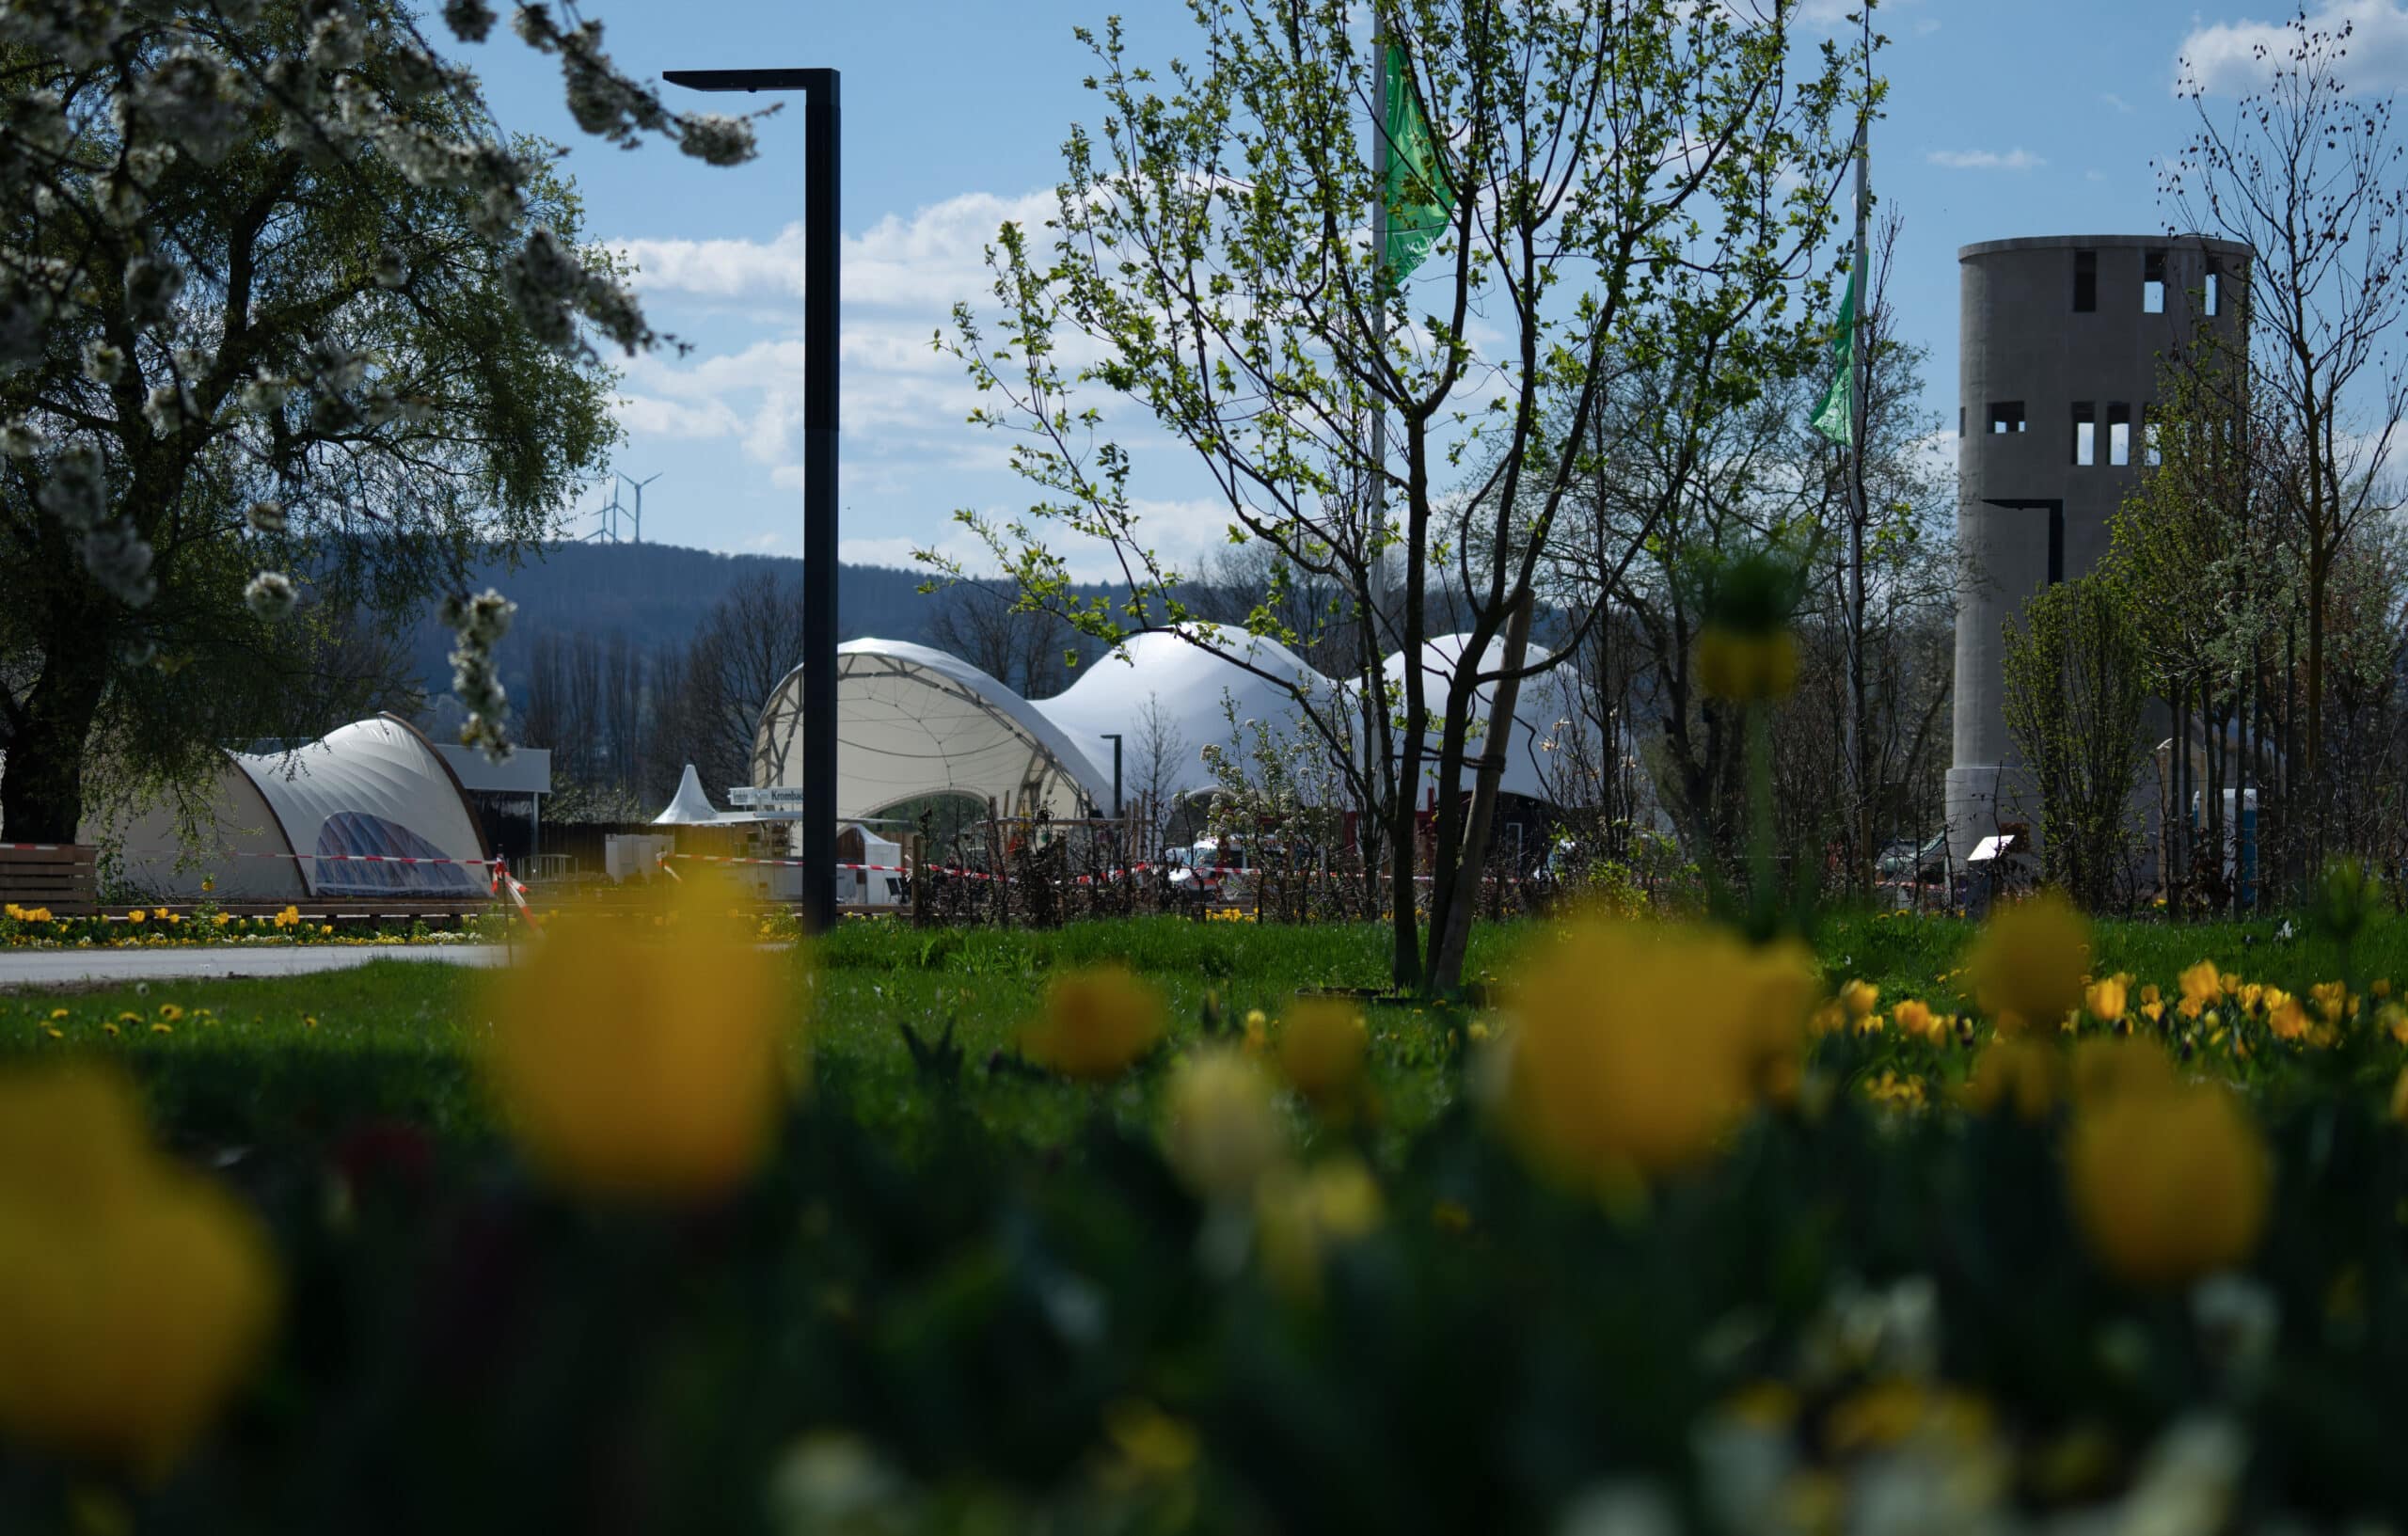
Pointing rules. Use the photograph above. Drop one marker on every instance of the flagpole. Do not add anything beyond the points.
(1859, 368)
(1376, 742)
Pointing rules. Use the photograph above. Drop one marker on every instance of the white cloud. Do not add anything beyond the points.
(2118, 102)
(2094, 176)
(647, 415)
(2227, 58)
(2015, 159)
(926, 262)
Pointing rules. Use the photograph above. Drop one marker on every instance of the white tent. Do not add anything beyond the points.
(690, 806)
(1195, 692)
(1538, 717)
(913, 722)
(337, 817)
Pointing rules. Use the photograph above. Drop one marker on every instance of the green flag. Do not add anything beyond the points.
(1418, 197)
(1835, 415)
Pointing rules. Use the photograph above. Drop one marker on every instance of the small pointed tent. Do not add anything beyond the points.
(690, 806)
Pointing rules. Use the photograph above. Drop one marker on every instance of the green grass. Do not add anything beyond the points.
(260, 1061)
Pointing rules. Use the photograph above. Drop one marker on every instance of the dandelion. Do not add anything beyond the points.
(1095, 1024)
(643, 1070)
(139, 1295)
(163, 1029)
(2029, 964)
(2168, 1182)
(171, 1013)
(58, 1013)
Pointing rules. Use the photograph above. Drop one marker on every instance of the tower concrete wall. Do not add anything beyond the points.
(2029, 356)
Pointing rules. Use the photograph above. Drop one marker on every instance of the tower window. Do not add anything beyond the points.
(2151, 455)
(2119, 435)
(2085, 432)
(2212, 300)
(1960, 421)
(2153, 282)
(2006, 415)
(2085, 281)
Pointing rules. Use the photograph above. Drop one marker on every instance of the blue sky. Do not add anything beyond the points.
(2034, 117)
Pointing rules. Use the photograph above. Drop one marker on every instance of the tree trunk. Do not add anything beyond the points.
(42, 787)
(1450, 942)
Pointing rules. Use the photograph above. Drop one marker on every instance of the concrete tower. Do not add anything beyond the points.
(2061, 342)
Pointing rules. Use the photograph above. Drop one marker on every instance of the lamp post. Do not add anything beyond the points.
(822, 183)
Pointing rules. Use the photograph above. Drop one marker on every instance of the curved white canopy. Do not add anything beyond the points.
(911, 721)
(1194, 692)
(690, 806)
(373, 787)
(1538, 715)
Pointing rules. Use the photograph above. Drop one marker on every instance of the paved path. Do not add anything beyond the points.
(55, 967)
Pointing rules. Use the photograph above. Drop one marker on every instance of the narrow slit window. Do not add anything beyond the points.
(1960, 421)
(2212, 299)
(2006, 415)
(2085, 432)
(2085, 281)
(2119, 435)
(2153, 282)
(2151, 455)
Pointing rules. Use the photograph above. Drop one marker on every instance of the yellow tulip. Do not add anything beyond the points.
(138, 1294)
(2030, 961)
(639, 1069)
(2169, 1183)
(1639, 1045)
(1095, 1025)
(2105, 999)
(1221, 1132)
(1322, 1045)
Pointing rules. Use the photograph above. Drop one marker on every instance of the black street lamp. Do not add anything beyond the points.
(822, 186)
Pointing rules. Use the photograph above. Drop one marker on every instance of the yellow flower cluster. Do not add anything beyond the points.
(640, 1071)
(138, 1294)
(26, 914)
(1637, 1046)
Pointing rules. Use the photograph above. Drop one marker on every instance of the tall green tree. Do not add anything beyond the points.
(2075, 693)
(1628, 183)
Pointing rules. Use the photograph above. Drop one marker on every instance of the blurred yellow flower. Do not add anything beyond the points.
(1322, 1045)
(1860, 997)
(2018, 1072)
(2400, 1097)
(1747, 668)
(2284, 1015)
(2030, 961)
(1300, 1217)
(1221, 1133)
(2168, 1182)
(644, 1068)
(1641, 1044)
(1095, 1024)
(2105, 999)
(139, 1295)
(1915, 1019)
(2201, 987)
(2333, 1000)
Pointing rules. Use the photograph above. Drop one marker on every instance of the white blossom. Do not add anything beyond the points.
(103, 362)
(19, 439)
(716, 140)
(73, 491)
(151, 284)
(120, 561)
(121, 201)
(266, 518)
(270, 595)
(471, 20)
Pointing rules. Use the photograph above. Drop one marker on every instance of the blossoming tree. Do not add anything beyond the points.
(283, 316)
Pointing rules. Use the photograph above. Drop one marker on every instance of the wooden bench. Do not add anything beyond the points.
(56, 875)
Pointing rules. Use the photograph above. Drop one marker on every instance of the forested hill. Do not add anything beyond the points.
(654, 593)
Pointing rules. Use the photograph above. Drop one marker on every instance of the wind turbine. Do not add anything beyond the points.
(638, 514)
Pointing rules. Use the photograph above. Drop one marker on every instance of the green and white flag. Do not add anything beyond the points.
(1835, 415)
(1418, 199)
